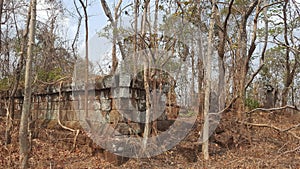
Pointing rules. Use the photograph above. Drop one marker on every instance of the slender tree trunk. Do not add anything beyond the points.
(200, 75)
(221, 84)
(135, 41)
(290, 71)
(242, 61)
(146, 78)
(221, 52)
(19, 68)
(23, 133)
(1, 9)
(154, 38)
(84, 6)
(240, 71)
(208, 84)
(114, 21)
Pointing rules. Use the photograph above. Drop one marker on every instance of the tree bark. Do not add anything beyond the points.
(222, 33)
(1, 9)
(290, 72)
(116, 41)
(208, 84)
(17, 73)
(23, 133)
(84, 6)
(242, 61)
(146, 78)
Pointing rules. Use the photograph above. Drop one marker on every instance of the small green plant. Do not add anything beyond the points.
(4, 84)
(252, 103)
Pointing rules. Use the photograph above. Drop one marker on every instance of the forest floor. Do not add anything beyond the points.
(234, 145)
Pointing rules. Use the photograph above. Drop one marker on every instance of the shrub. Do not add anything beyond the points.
(252, 103)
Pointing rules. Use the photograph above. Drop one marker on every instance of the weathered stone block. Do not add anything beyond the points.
(42, 114)
(52, 114)
(56, 105)
(122, 92)
(34, 114)
(108, 81)
(124, 80)
(55, 98)
(35, 106)
(125, 104)
(63, 115)
(74, 105)
(43, 105)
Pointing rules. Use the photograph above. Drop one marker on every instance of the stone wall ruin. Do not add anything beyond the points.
(117, 100)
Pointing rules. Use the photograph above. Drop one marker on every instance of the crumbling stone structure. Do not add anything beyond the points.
(120, 100)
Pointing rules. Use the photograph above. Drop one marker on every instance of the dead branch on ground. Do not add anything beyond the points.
(288, 130)
(274, 109)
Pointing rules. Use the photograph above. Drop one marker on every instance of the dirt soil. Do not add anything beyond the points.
(233, 145)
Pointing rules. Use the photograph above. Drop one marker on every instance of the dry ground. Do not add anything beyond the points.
(234, 145)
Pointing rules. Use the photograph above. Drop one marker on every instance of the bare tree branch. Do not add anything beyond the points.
(274, 128)
(274, 109)
(63, 126)
(78, 29)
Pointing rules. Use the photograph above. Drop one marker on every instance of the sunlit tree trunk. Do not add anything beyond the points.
(84, 6)
(146, 77)
(207, 80)
(222, 33)
(114, 22)
(23, 133)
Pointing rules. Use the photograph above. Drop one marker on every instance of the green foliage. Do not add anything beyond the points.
(4, 84)
(50, 76)
(251, 103)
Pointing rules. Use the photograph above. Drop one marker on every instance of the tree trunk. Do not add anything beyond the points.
(241, 68)
(23, 133)
(221, 84)
(290, 72)
(86, 70)
(239, 83)
(222, 33)
(146, 78)
(284, 96)
(19, 68)
(200, 75)
(114, 21)
(208, 84)
(1, 9)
